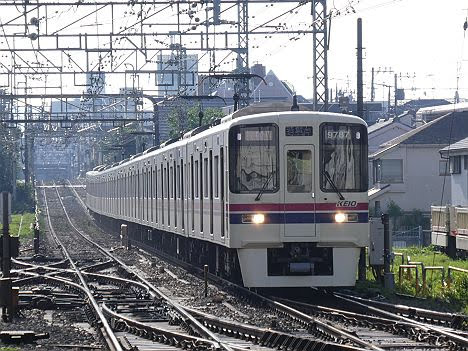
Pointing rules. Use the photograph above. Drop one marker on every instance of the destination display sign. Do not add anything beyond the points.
(299, 131)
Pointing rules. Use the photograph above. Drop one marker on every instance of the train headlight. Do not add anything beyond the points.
(258, 218)
(340, 217)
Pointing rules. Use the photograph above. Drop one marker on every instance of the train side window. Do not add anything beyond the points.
(221, 161)
(201, 194)
(183, 170)
(143, 193)
(178, 181)
(176, 190)
(192, 192)
(299, 166)
(168, 192)
(171, 189)
(156, 175)
(216, 176)
(163, 171)
(152, 192)
(196, 179)
(211, 191)
(205, 169)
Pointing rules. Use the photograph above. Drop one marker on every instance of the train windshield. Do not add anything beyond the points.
(343, 149)
(253, 158)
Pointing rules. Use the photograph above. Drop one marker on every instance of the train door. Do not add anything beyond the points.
(299, 191)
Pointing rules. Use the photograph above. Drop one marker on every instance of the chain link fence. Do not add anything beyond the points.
(406, 237)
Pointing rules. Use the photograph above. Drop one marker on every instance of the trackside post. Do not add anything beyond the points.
(389, 278)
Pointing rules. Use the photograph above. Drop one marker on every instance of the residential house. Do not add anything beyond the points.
(385, 130)
(408, 169)
(457, 154)
(381, 132)
(430, 113)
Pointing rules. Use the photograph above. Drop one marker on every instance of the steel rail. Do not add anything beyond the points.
(263, 335)
(109, 335)
(319, 326)
(457, 339)
(412, 312)
(179, 308)
(134, 323)
(449, 335)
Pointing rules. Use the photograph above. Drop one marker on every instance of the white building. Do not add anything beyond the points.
(457, 153)
(408, 169)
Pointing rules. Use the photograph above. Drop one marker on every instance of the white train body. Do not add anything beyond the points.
(259, 184)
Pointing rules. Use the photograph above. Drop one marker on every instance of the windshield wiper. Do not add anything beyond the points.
(262, 190)
(332, 183)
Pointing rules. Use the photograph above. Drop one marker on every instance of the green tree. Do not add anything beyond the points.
(183, 118)
(394, 212)
(8, 157)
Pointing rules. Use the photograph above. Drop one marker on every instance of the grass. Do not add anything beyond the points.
(456, 296)
(437, 295)
(26, 228)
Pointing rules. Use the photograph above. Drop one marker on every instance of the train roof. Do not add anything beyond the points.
(253, 111)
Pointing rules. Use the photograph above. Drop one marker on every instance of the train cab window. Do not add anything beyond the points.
(253, 158)
(343, 157)
(299, 171)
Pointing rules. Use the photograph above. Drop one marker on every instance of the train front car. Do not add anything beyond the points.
(298, 208)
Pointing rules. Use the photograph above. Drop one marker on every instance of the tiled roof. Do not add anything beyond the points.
(378, 125)
(274, 88)
(458, 146)
(421, 103)
(443, 130)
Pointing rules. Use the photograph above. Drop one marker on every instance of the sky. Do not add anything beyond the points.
(423, 41)
(420, 39)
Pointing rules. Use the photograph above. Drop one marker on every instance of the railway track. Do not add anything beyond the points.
(131, 312)
(387, 330)
(141, 315)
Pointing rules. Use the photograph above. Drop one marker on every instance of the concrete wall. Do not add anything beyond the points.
(422, 184)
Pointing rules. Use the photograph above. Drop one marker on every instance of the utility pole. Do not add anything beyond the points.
(26, 137)
(396, 95)
(320, 43)
(372, 94)
(388, 103)
(360, 94)
(242, 86)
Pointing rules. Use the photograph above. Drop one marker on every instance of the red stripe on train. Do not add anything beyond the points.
(294, 207)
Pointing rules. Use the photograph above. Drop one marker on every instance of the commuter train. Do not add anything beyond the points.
(274, 199)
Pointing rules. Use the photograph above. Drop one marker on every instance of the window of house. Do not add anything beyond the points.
(455, 164)
(465, 161)
(388, 171)
(443, 168)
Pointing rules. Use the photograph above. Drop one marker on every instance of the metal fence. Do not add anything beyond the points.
(408, 237)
